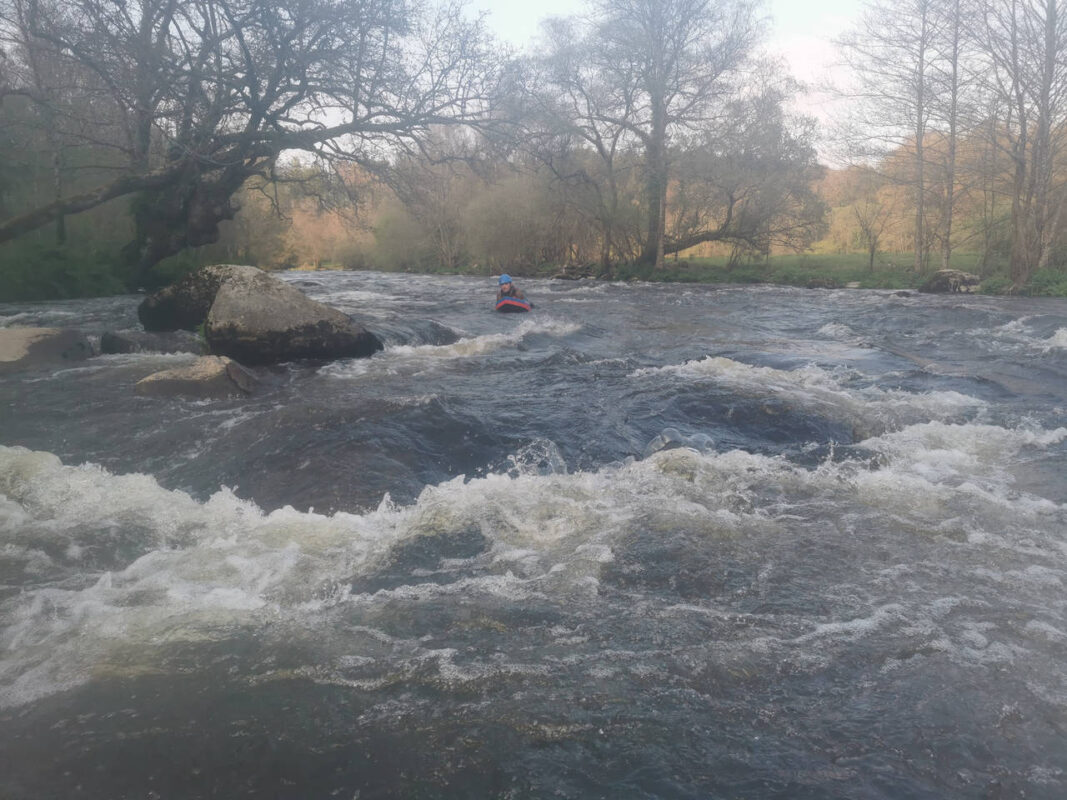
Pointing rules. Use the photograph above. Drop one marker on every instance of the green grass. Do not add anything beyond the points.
(817, 271)
(36, 271)
(891, 271)
(811, 270)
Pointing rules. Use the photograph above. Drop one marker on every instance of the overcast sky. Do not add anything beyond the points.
(801, 31)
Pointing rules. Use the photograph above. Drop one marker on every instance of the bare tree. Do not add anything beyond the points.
(672, 64)
(749, 180)
(872, 214)
(1025, 45)
(890, 54)
(207, 93)
(658, 85)
(572, 126)
(948, 84)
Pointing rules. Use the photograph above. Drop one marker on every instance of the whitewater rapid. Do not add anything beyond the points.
(697, 543)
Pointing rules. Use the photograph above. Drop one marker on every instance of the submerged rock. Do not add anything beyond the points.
(184, 305)
(950, 281)
(148, 342)
(573, 272)
(821, 283)
(258, 319)
(26, 347)
(209, 376)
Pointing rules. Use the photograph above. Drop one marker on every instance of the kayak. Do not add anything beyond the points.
(513, 305)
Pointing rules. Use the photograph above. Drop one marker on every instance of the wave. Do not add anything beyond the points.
(398, 357)
(45, 317)
(1058, 341)
(114, 567)
(1025, 334)
(831, 393)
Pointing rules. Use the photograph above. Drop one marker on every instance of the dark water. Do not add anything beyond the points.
(646, 541)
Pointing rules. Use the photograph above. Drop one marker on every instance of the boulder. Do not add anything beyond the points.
(184, 305)
(821, 283)
(949, 281)
(573, 272)
(207, 377)
(145, 342)
(258, 319)
(26, 347)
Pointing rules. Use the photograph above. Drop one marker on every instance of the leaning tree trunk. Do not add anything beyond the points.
(185, 214)
(656, 189)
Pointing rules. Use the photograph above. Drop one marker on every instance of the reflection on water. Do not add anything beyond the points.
(646, 541)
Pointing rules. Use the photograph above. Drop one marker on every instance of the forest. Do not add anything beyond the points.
(143, 138)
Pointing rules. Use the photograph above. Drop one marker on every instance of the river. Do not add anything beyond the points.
(647, 541)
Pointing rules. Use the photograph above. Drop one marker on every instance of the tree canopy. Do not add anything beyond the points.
(188, 99)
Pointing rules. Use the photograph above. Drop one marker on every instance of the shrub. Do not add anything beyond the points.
(1047, 283)
(997, 284)
(34, 271)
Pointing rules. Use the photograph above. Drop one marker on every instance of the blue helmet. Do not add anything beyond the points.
(505, 278)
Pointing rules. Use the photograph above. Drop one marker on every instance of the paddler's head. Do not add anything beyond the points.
(505, 281)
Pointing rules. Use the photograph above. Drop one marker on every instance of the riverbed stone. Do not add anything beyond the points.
(184, 305)
(151, 342)
(950, 281)
(258, 319)
(22, 348)
(822, 283)
(207, 377)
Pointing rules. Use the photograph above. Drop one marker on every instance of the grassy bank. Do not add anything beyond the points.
(50, 273)
(849, 270)
(816, 271)
(805, 270)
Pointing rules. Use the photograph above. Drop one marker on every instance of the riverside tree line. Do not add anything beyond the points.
(137, 134)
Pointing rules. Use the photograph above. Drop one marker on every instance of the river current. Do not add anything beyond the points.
(646, 541)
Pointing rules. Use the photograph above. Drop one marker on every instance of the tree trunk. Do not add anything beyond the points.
(1020, 234)
(186, 214)
(920, 154)
(950, 156)
(1041, 177)
(656, 189)
(57, 187)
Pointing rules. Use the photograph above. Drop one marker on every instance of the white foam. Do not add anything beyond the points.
(961, 448)
(6, 321)
(1058, 341)
(852, 629)
(361, 298)
(1018, 334)
(213, 566)
(45, 317)
(209, 568)
(409, 357)
(839, 331)
(823, 391)
(1046, 631)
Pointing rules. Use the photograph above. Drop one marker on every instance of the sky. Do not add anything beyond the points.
(802, 30)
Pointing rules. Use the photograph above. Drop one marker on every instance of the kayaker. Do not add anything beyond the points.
(508, 289)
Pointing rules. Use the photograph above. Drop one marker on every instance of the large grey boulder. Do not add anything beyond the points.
(207, 377)
(184, 305)
(148, 342)
(258, 319)
(21, 348)
(950, 281)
